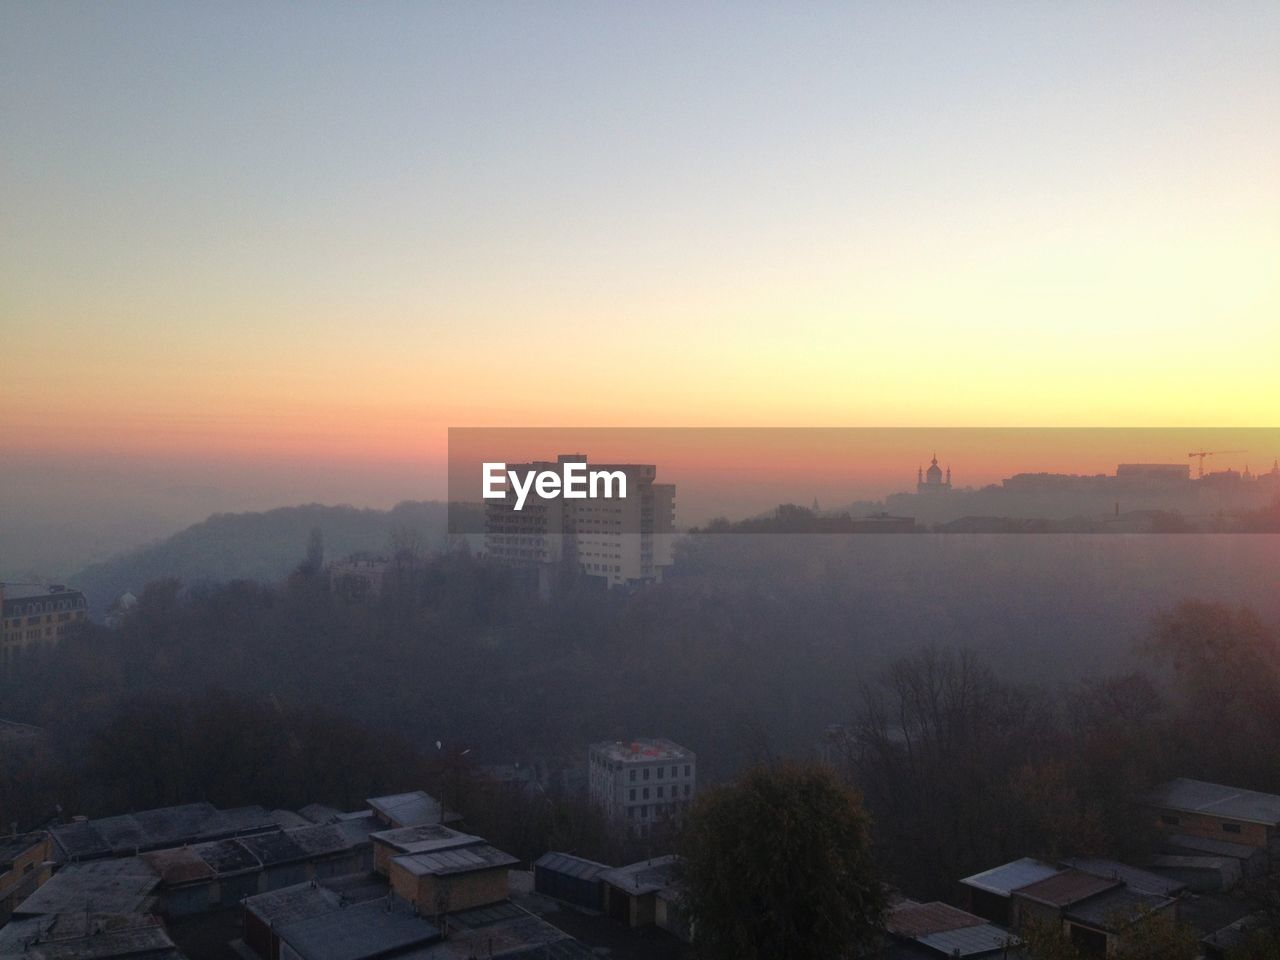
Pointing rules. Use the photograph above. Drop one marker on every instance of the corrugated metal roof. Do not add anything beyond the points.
(1235, 935)
(571, 866)
(13, 847)
(1214, 799)
(1066, 888)
(425, 838)
(411, 809)
(178, 865)
(1006, 878)
(1115, 909)
(357, 887)
(458, 860)
(969, 941)
(227, 857)
(323, 840)
(279, 908)
(647, 876)
(157, 829)
(271, 849)
(104, 886)
(1134, 878)
(150, 941)
(909, 919)
(358, 932)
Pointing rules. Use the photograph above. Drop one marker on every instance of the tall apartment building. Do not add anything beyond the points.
(34, 617)
(641, 782)
(621, 540)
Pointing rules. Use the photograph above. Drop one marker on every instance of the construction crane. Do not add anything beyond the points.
(1208, 453)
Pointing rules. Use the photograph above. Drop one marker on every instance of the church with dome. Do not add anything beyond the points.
(931, 480)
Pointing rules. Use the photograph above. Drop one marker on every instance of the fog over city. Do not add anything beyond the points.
(668, 481)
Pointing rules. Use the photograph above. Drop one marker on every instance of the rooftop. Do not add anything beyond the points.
(15, 846)
(647, 876)
(279, 908)
(642, 751)
(1068, 887)
(1231, 803)
(442, 863)
(271, 849)
(572, 866)
(968, 941)
(1144, 881)
(178, 865)
(1007, 877)
(504, 930)
(20, 601)
(411, 809)
(157, 829)
(107, 886)
(360, 932)
(227, 857)
(17, 935)
(319, 841)
(425, 838)
(151, 941)
(1116, 909)
(911, 919)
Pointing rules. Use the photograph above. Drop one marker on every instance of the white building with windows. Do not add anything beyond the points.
(641, 783)
(622, 541)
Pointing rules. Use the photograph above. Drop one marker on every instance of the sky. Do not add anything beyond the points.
(277, 250)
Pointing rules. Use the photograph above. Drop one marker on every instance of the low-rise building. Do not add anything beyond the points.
(361, 575)
(122, 886)
(989, 894)
(87, 936)
(34, 616)
(1093, 902)
(361, 931)
(412, 809)
(631, 892)
(575, 880)
(158, 829)
(641, 783)
(939, 930)
(1195, 808)
(24, 866)
(457, 878)
(427, 838)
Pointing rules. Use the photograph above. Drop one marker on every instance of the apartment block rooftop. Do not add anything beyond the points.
(642, 750)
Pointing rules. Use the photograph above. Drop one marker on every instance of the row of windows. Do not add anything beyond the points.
(45, 618)
(644, 792)
(47, 606)
(675, 772)
(649, 811)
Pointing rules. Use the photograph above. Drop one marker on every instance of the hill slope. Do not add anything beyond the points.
(260, 546)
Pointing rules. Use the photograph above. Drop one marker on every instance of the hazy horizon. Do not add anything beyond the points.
(257, 256)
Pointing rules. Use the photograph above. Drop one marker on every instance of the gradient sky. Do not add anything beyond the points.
(267, 233)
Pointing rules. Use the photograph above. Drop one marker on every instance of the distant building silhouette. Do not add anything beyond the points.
(931, 481)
